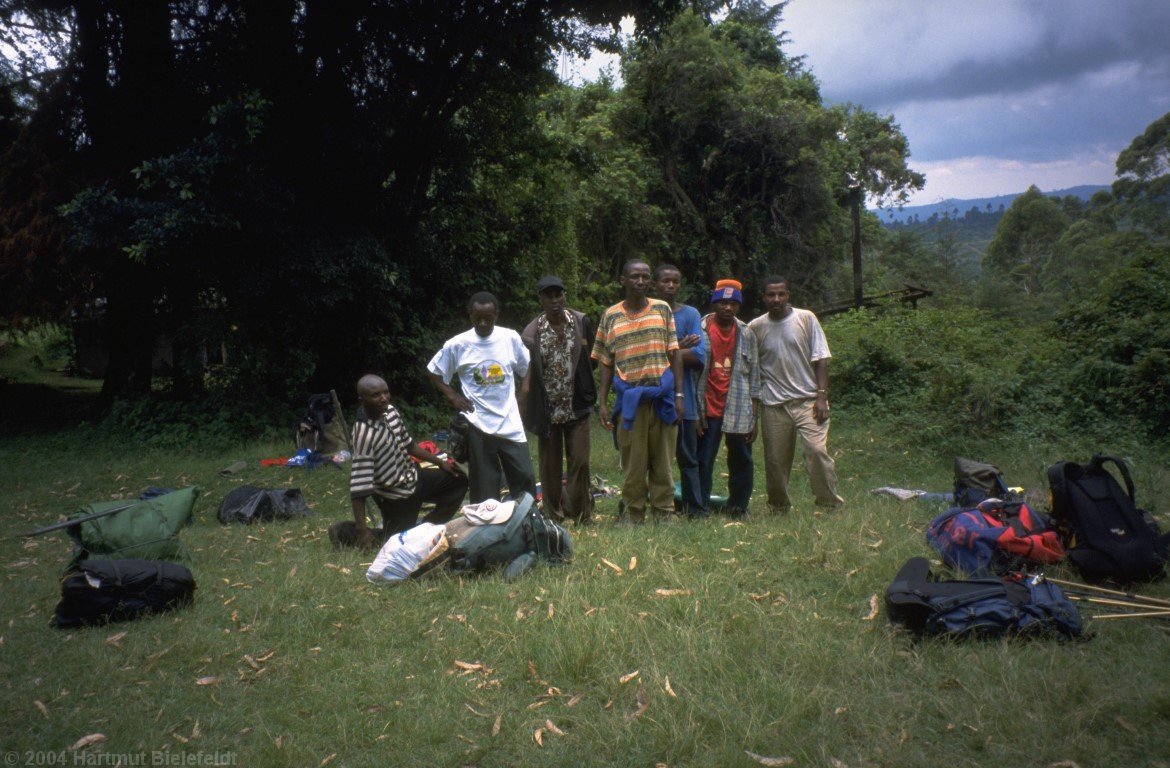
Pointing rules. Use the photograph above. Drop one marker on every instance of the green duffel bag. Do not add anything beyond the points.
(144, 530)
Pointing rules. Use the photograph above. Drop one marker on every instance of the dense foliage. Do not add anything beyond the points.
(1059, 325)
(310, 190)
(289, 194)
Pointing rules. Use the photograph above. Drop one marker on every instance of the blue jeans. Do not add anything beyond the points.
(687, 456)
(739, 464)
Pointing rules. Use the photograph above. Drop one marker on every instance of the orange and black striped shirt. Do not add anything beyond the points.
(636, 345)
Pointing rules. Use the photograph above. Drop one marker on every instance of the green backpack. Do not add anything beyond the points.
(146, 530)
(514, 544)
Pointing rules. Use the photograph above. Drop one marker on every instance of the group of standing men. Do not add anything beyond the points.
(683, 385)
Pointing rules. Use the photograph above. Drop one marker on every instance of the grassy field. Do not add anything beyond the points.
(705, 644)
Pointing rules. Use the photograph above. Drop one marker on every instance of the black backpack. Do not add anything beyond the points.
(100, 591)
(1108, 537)
(457, 447)
(322, 426)
(249, 504)
(982, 608)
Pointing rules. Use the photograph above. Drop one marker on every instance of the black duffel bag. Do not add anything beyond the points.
(95, 592)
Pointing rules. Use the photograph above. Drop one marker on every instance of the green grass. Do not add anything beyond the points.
(760, 630)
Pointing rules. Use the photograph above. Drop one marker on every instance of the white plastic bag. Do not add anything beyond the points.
(401, 554)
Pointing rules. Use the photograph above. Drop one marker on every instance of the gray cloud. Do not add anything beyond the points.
(1029, 82)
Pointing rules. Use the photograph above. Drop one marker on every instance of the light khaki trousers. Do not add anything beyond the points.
(781, 425)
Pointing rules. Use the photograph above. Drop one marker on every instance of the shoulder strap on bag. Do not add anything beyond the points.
(1097, 464)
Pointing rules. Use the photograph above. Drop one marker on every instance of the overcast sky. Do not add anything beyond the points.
(999, 94)
(993, 95)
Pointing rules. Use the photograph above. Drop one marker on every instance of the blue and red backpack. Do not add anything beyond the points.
(995, 536)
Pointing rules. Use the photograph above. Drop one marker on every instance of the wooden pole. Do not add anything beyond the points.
(1145, 614)
(1117, 593)
(856, 205)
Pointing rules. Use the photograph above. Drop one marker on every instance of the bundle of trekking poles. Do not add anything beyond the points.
(1103, 603)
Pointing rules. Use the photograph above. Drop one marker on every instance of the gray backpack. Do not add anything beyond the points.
(513, 545)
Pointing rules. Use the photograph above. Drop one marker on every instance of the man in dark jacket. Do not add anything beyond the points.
(561, 397)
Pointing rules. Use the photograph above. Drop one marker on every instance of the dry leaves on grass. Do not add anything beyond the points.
(643, 700)
(633, 563)
(770, 761)
(86, 741)
(873, 608)
(616, 568)
(116, 639)
(40, 705)
(475, 667)
(670, 690)
(1064, 764)
(208, 680)
(662, 592)
(628, 676)
(471, 666)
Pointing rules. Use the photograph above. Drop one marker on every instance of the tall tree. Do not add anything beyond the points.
(751, 162)
(1025, 242)
(247, 157)
(1143, 177)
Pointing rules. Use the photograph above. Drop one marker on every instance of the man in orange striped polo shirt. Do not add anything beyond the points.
(636, 340)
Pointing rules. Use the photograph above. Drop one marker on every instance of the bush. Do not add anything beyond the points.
(50, 345)
(160, 422)
(1117, 339)
(936, 375)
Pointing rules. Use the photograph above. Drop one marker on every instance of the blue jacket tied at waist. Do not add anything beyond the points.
(627, 399)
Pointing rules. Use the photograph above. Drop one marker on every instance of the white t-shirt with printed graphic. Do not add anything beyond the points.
(488, 368)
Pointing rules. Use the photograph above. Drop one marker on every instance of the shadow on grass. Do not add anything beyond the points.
(28, 408)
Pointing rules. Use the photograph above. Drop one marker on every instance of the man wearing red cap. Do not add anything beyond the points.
(729, 397)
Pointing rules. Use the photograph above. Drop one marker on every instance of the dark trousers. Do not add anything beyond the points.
(694, 503)
(487, 455)
(566, 441)
(739, 464)
(436, 486)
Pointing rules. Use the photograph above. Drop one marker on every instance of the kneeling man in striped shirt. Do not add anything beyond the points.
(382, 469)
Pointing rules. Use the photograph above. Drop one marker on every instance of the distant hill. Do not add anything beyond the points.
(958, 208)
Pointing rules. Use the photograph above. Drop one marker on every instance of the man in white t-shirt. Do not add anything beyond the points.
(490, 363)
(794, 357)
